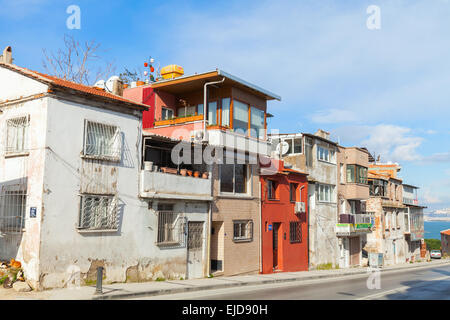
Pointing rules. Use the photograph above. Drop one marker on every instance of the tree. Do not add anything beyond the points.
(77, 62)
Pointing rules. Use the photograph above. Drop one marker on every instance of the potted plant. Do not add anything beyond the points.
(205, 175)
(196, 174)
(189, 173)
(148, 165)
(183, 172)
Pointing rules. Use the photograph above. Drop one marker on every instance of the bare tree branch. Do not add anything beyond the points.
(76, 62)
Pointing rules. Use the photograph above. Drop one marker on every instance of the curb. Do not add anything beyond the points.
(244, 283)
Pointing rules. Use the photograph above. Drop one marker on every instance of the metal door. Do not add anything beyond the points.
(195, 250)
(276, 227)
(354, 251)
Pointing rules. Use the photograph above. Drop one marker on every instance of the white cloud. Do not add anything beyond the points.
(393, 143)
(334, 116)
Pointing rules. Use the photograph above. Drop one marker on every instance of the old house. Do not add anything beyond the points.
(391, 218)
(445, 242)
(74, 195)
(221, 121)
(354, 220)
(284, 219)
(414, 222)
(316, 155)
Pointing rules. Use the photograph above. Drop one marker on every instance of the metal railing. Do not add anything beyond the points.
(171, 228)
(99, 213)
(12, 224)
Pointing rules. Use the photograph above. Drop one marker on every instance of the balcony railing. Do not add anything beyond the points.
(353, 223)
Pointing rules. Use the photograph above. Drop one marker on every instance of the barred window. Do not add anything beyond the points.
(98, 213)
(102, 141)
(295, 234)
(17, 135)
(12, 208)
(171, 227)
(243, 230)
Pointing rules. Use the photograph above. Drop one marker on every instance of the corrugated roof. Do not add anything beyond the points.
(446, 232)
(61, 83)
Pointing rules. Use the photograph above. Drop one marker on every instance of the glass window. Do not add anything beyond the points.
(200, 108)
(17, 135)
(240, 116)
(298, 145)
(350, 173)
(166, 114)
(186, 111)
(271, 189)
(233, 178)
(325, 193)
(243, 230)
(293, 191)
(257, 122)
(226, 112)
(226, 177)
(212, 112)
(289, 142)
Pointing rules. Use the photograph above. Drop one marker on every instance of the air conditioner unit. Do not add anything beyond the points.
(197, 136)
(299, 207)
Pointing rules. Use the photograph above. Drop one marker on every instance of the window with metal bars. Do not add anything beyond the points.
(98, 213)
(13, 201)
(295, 232)
(102, 141)
(171, 227)
(242, 230)
(17, 135)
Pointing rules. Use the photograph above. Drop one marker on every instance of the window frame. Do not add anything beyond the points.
(291, 184)
(168, 110)
(356, 176)
(114, 211)
(271, 189)
(295, 232)
(25, 128)
(248, 182)
(332, 192)
(117, 143)
(248, 237)
(331, 154)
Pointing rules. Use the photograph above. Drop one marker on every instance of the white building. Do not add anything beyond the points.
(71, 187)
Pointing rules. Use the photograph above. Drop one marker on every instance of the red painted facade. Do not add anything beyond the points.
(144, 95)
(277, 216)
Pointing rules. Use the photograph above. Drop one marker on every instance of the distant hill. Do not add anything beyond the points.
(438, 215)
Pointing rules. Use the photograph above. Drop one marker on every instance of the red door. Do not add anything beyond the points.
(276, 227)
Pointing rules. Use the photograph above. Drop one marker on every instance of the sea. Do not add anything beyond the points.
(433, 229)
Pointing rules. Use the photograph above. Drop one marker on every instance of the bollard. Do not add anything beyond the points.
(98, 289)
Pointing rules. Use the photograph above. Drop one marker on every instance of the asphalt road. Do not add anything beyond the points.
(423, 284)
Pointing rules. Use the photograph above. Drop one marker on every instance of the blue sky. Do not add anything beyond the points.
(386, 89)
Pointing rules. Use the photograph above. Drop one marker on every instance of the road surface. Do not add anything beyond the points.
(423, 283)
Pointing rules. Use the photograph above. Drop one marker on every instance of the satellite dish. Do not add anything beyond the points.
(110, 82)
(100, 84)
(282, 148)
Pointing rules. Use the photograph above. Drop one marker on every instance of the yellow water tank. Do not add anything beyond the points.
(172, 71)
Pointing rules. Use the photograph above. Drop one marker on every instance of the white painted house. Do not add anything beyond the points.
(71, 188)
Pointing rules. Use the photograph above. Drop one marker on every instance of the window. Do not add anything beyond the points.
(257, 122)
(166, 114)
(342, 173)
(12, 208)
(234, 178)
(200, 108)
(325, 193)
(240, 116)
(212, 113)
(226, 112)
(378, 187)
(309, 151)
(356, 174)
(243, 230)
(295, 232)
(17, 135)
(325, 154)
(187, 111)
(171, 226)
(271, 190)
(98, 213)
(295, 145)
(102, 141)
(293, 191)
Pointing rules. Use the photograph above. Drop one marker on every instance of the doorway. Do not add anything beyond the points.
(195, 250)
(354, 251)
(276, 227)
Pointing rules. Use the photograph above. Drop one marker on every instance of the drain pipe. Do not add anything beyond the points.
(205, 101)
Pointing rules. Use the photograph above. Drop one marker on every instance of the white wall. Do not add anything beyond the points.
(130, 252)
(14, 85)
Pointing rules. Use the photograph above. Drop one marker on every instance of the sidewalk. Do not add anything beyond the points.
(153, 288)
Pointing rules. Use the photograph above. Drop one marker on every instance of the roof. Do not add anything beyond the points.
(446, 232)
(410, 185)
(64, 84)
(191, 82)
(320, 138)
(289, 170)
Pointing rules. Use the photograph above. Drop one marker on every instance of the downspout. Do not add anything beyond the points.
(205, 105)
(208, 240)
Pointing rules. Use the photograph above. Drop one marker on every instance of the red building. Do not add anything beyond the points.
(284, 219)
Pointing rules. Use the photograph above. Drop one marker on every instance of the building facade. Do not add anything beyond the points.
(445, 242)
(284, 219)
(315, 155)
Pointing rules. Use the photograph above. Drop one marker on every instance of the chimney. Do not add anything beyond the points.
(117, 87)
(323, 134)
(7, 55)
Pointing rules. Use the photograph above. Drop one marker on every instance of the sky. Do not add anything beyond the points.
(387, 89)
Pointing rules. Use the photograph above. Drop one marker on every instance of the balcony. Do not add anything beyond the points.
(353, 224)
(221, 136)
(356, 191)
(160, 185)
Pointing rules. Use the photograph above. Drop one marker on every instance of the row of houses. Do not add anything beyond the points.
(179, 179)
